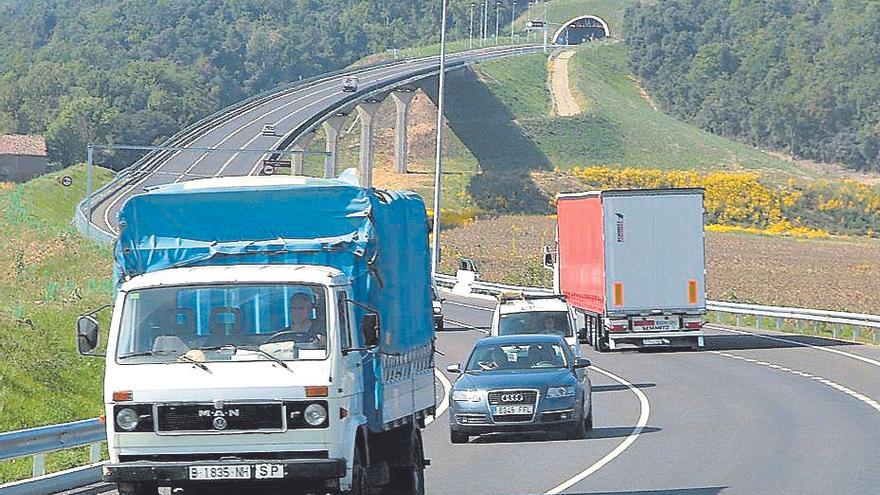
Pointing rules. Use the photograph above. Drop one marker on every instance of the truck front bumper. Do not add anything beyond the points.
(180, 471)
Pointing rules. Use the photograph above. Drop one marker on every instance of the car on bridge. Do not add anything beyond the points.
(520, 383)
(350, 85)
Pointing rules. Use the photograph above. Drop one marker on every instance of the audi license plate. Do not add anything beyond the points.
(219, 472)
(519, 409)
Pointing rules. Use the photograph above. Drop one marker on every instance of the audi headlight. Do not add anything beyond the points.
(556, 392)
(127, 419)
(316, 414)
(466, 396)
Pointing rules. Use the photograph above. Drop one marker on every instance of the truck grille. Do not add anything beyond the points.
(231, 417)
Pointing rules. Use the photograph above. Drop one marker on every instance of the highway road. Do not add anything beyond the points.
(751, 414)
(291, 111)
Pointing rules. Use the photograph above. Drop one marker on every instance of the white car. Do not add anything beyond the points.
(268, 130)
(518, 314)
(350, 85)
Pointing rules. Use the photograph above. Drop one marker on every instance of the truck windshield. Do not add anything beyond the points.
(547, 322)
(223, 323)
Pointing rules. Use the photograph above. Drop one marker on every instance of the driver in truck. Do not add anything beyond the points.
(304, 325)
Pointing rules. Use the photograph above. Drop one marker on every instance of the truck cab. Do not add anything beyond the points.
(518, 314)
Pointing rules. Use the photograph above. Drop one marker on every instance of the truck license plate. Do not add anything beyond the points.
(219, 472)
(268, 471)
(502, 410)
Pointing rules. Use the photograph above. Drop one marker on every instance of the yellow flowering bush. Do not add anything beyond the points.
(743, 201)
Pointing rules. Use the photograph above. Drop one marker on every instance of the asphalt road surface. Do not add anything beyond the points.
(751, 414)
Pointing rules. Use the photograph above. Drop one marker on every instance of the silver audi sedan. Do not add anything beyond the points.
(520, 383)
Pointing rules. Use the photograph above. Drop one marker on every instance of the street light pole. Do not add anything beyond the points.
(471, 28)
(497, 24)
(435, 241)
(529, 31)
(486, 21)
(512, 20)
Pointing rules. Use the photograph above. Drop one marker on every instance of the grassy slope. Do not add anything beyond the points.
(50, 275)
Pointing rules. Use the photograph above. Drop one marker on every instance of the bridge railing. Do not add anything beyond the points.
(37, 442)
(854, 327)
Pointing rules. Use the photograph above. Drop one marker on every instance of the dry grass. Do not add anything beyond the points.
(835, 274)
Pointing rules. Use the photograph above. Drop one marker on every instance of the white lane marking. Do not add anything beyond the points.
(637, 430)
(863, 359)
(444, 402)
(841, 388)
(465, 325)
(466, 305)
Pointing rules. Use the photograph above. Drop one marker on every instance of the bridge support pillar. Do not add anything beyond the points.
(367, 111)
(332, 127)
(402, 100)
(302, 144)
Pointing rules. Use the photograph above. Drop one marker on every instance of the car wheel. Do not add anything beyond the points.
(589, 421)
(438, 325)
(458, 437)
(579, 430)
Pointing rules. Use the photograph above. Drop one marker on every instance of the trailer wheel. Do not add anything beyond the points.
(410, 479)
(601, 341)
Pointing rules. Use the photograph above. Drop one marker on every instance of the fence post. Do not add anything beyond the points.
(94, 453)
(856, 334)
(757, 323)
(39, 465)
(778, 324)
(837, 330)
(738, 320)
(717, 317)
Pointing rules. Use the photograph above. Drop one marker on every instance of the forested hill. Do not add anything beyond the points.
(799, 75)
(136, 71)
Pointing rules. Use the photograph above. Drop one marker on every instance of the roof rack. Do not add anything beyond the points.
(523, 296)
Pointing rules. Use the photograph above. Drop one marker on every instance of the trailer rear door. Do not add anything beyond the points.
(654, 252)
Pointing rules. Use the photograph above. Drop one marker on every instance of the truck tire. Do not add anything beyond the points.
(601, 341)
(410, 479)
(359, 480)
(137, 488)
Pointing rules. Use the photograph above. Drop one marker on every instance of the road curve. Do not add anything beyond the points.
(294, 111)
(717, 424)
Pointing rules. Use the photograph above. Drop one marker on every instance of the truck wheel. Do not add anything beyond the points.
(359, 480)
(137, 488)
(410, 480)
(458, 437)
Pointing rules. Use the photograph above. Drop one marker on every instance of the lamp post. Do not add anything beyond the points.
(512, 20)
(529, 31)
(471, 28)
(497, 24)
(435, 241)
(486, 21)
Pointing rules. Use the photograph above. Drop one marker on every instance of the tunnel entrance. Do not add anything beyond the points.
(581, 30)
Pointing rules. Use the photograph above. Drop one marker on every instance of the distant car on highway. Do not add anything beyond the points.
(350, 85)
(437, 308)
(520, 383)
(268, 130)
(518, 313)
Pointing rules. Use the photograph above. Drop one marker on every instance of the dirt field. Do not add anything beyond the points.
(833, 274)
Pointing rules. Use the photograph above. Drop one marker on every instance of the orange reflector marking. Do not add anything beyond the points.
(122, 396)
(692, 291)
(316, 391)
(618, 294)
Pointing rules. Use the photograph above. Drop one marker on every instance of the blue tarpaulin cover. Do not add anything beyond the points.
(376, 238)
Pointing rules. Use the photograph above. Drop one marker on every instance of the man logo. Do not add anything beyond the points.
(219, 423)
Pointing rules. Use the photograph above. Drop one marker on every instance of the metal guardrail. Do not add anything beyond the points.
(37, 442)
(780, 316)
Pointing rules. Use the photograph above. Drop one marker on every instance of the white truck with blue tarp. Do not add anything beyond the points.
(269, 332)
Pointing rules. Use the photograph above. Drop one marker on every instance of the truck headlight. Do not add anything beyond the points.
(127, 419)
(315, 414)
(556, 392)
(465, 396)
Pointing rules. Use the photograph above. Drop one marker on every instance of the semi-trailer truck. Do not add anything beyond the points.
(269, 332)
(632, 262)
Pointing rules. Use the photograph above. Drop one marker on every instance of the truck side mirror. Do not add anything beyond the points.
(370, 329)
(548, 257)
(86, 334)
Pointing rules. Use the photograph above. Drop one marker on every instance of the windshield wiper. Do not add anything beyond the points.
(248, 348)
(144, 353)
(196, 362)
